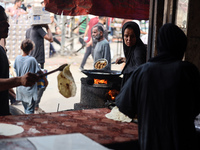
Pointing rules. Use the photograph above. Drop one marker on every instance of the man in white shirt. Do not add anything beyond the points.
(15, 11)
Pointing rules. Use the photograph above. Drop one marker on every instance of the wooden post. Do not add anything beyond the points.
(155, 22)
(193, 33)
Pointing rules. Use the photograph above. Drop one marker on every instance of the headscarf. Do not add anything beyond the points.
(171, 41)
(2, 12)
(129, 51)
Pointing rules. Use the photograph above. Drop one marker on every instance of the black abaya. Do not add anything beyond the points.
(164, 93)
(135, 55)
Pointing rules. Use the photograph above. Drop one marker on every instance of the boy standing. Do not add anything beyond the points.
(23, 64)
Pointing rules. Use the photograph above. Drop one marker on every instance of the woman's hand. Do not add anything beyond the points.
(120, 60)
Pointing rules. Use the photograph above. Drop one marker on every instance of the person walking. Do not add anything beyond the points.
(37, 35)
(88, 34)
(82, 28)
(55, 30)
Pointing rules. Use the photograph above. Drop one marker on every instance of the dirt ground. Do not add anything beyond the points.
(52, 100)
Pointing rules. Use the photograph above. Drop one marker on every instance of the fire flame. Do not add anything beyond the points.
(100, 81)
(113, 93)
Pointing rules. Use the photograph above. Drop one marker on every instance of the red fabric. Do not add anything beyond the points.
(127, 9)
(110, 20)
(92, 22)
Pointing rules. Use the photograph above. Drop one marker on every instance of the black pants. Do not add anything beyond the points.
(86, 55)
(81, 39)
(41, 65)
(51, 50)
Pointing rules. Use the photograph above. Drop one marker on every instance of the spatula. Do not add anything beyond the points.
(58, 69)
(120, 61)
(111, 63)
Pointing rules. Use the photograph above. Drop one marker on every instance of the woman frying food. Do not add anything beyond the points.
(134, 49)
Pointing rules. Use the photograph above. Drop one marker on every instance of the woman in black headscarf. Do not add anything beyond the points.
(168, 45)
(164, 93)
(134, 49)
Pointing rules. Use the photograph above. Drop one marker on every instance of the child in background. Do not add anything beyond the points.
(23, 64)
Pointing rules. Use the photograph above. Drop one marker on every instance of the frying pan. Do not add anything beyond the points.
(101, 74)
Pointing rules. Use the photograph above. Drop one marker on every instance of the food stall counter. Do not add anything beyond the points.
(89, 122)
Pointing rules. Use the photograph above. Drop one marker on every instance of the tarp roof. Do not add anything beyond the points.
(127, 9)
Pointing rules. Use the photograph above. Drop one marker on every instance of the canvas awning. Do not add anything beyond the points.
(127, 9)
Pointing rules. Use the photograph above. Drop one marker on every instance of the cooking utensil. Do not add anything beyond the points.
(101, 74)
(119, 62)
(58, 69)
(102, 60)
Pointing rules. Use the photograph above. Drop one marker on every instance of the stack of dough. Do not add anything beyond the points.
(66, 84)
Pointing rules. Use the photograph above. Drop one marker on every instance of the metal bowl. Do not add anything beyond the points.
(102, 60)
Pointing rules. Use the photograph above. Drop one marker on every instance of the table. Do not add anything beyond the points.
(89, 122)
